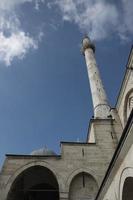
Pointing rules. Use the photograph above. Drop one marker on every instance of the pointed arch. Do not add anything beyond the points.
(126, 173)
(83, 186)
(31, 170)
(127, 109)
(79, 170)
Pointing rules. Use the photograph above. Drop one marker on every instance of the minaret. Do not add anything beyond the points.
(100, 103)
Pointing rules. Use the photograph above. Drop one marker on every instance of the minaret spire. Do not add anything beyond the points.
(99, 98)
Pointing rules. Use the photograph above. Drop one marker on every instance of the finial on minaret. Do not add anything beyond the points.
(86, 43)
(100, 103)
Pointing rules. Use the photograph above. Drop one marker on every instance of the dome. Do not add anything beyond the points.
(43, 152)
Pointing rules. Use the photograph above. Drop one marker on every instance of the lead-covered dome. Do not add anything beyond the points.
(43, 152)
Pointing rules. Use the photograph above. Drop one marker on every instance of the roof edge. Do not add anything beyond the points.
(26, 155)
(125, 74)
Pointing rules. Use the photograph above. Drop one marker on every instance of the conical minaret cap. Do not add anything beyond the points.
(86, 44)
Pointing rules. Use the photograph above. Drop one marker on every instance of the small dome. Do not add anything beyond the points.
(43, 152)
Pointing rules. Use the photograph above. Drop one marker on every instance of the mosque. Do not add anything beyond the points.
(99, 169)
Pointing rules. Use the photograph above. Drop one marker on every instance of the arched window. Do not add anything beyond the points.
(127, 193)
(83, 187)
(128, 106)
(33, 184)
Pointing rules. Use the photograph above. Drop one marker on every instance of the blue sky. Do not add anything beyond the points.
(44, 90)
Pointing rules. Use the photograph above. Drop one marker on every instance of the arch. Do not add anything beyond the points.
(83, 186)
(36, 182)
(127, 193)
(126, 111)
(80, 170)
(127, 172)
(19, 172)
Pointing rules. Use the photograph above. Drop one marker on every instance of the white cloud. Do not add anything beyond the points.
(37, 3)
(14, 41)
(12, 4)
(99, 18)
(16, 45)
(126, 28)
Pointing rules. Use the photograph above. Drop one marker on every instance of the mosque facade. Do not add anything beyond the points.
(99, 169)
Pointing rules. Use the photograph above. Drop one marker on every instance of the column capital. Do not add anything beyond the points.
(87, 44)
(64, 195)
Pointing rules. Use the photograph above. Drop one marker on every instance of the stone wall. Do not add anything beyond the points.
(93, 159)
(120, 171)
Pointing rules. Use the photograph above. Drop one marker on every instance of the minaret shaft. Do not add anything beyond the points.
(100, 103)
